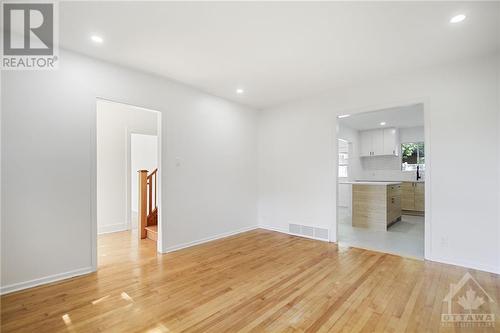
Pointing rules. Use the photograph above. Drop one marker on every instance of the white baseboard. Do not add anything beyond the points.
(268, 227)
(106, 229)
(466, 264)
(48, 279)
(207, 239)
(284, 231)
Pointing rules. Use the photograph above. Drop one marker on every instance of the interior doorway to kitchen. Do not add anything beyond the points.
(381, 179)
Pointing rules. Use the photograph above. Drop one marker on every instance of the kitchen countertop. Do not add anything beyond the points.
(371, 183)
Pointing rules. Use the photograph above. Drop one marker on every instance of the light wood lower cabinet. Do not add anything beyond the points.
(407, 196)
(420, 197)
(375, 206)
(413, 197)
(393, 203)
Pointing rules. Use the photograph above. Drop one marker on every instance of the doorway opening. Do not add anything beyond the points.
(381, 180)
(128, 183)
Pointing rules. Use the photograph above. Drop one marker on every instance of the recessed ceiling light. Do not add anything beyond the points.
(344, 116)
(382, 123)
(457, 18)
(97, 39)
(239, 91)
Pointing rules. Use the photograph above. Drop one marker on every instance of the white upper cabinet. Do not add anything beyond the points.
(379, 142)
(366, 143)
(391, 141)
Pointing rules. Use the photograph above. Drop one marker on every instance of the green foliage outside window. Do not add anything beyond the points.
(412, 154)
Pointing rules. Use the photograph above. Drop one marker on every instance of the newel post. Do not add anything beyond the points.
(143, 201)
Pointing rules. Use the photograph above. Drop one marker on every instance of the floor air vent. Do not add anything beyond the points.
(307, 231)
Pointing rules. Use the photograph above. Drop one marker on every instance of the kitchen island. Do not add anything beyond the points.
(375, 205)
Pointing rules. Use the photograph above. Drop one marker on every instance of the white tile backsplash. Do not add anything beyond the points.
(381, 163)
(385, 168)
(390, 175)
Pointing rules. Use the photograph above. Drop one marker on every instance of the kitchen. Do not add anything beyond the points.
(381, 180)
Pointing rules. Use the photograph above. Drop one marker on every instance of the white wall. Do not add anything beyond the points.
(297, 156)
(297, 171)
(115, 121)
(498, 156)
(48, 163)
(411, 134)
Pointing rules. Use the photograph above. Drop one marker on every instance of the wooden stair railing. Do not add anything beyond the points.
(148, 203)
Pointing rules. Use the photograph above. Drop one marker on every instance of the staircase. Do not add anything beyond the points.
(148, 205)
(152, 232)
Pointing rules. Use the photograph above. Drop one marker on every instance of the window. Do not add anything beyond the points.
(412, 155)
(343, 158)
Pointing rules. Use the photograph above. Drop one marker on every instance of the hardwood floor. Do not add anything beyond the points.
(258, 281)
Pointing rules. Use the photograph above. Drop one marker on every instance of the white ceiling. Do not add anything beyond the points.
(400, 117)
(278, 51)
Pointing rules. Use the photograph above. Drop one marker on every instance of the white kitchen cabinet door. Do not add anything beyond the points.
(391, 142)
(366, 143)
(377, 142)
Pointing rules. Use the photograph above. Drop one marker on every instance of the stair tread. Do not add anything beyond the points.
(152, 228)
